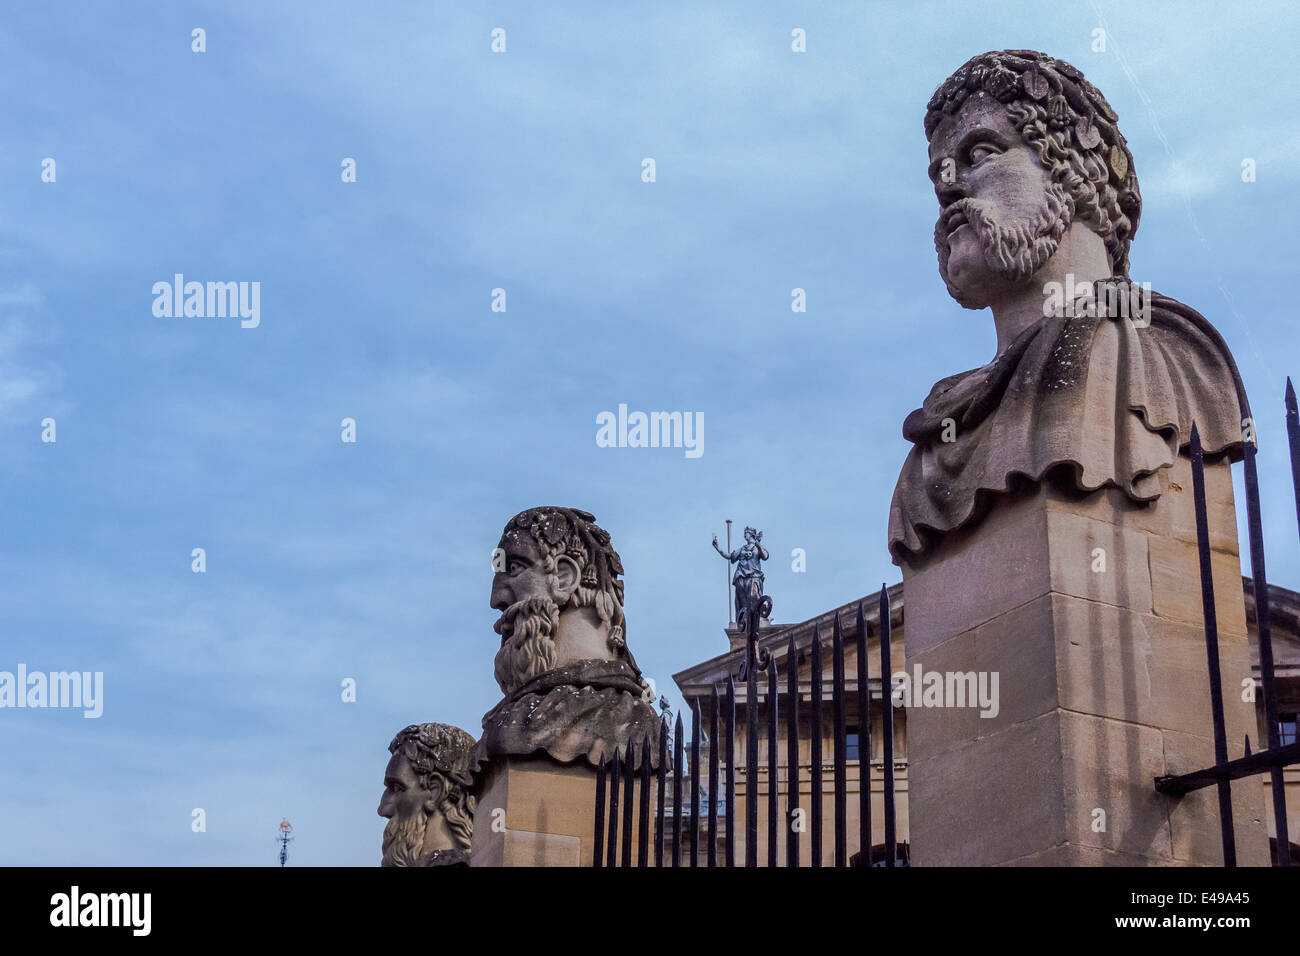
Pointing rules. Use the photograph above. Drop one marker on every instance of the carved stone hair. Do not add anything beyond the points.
(440, 751)
(1069, 124)
(573, 533)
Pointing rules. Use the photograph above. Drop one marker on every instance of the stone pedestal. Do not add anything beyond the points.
(737, 637)
(549, 813)
(1088, 607)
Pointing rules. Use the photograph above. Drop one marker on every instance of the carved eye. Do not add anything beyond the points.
(982, 151)
(514, 567)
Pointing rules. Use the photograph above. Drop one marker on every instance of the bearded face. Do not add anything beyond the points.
(1001, 217)
(406, 804)
(527, 630)
(1011, 250)
(555, 607)
(525, 591)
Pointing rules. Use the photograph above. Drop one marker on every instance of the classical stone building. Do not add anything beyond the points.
(697, 683)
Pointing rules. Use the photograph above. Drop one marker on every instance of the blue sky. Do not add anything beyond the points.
(475, 171)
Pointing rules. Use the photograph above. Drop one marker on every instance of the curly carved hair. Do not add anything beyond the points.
(1071, 127)
(438, 752)
(573, 533)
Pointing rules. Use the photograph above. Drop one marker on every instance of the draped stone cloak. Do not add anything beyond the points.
(581, 710)
(1094, 400)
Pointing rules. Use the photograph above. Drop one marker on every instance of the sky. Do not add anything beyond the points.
(370, 560)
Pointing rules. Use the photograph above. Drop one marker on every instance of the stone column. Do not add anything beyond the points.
(1089, 609)
(535, 811)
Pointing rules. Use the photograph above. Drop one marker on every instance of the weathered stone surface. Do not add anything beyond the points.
(1176, 585)
(572, 688)
(573, 693)
(428, 797)
(1186, 708)
(1220, 514)
(1194, 817)
(1098, 561)
(1111, 680)
(1110, 797)
(581, 711)
(1072, 788)
(1096, 382)
(991, 800)
(1043, 518)
(1112, 505)
(536, 812)
(1010, 548)
(1140, 667)
(1020, 647)
(1070, 854)
(1107, 661)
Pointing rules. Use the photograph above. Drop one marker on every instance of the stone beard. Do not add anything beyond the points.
(1016, 249)
(404, 840)
(1037, 189)
(572, 688)
(527, 630)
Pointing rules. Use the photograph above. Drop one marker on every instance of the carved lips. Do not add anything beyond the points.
(953, 218)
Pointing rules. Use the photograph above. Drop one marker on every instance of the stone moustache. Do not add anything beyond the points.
(1037, 186)
(572, 689)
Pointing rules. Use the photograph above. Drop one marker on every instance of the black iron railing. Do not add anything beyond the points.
(616, 780)
(1276, 757)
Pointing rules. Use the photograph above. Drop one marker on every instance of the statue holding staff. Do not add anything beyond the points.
(748, 558)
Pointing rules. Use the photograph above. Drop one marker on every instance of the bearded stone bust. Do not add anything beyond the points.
(1097, 380)
(572, 689)
(428, 797)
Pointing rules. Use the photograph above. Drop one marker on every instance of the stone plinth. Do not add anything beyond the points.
(1088, 607)
(737, 637)
(549, 817)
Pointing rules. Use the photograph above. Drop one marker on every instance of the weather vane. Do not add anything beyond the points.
(284, 838)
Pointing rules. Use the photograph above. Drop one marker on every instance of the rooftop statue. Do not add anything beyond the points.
(748, 558)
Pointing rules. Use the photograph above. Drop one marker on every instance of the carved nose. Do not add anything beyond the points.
(948, 194)
(500, 597)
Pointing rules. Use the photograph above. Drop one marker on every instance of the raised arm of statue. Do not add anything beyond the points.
(729, 557)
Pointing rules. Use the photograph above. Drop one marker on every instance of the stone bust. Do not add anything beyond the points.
(428, 797)
(572, 689)
(1097, 380)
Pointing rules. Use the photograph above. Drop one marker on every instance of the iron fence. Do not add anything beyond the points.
(1276, 756)
(616, 837)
